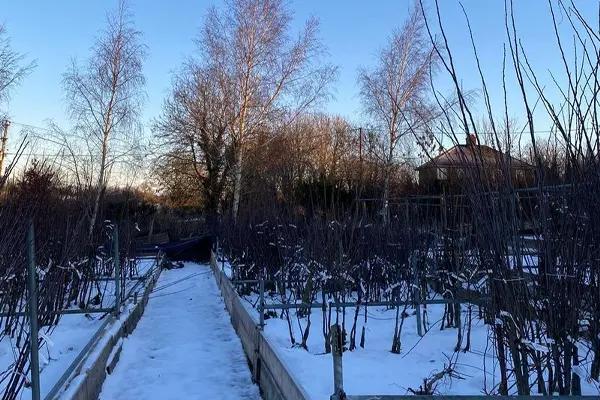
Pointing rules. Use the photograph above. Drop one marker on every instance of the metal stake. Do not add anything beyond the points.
(117, 268)
(261, 323)
(222, 261)
(33, 315)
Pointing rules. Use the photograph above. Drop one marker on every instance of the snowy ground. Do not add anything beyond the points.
(184, 346)
(64, 342)
(374, 370)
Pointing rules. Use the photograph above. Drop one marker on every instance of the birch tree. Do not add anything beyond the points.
(266, 71)
(394, 92)
(104, 99)
(12, 65)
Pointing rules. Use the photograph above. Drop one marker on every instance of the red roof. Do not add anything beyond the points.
(465, 156)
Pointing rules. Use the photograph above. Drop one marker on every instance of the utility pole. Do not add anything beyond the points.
(4, 140)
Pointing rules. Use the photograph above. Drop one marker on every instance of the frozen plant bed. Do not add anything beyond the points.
(375, 370)
(63, 343)
(61, 347)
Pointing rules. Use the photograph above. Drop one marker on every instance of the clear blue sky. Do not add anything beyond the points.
(52, 32)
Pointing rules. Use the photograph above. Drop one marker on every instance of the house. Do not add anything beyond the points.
(470, 162)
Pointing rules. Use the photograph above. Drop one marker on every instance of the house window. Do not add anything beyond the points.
(442, 174)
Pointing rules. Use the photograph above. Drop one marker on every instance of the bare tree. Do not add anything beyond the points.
(264, 71)
(394, 93)
(12, 70)
(194, 129)
(12, 67)
(105, 96)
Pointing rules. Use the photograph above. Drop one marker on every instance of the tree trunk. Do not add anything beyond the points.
(576, 379)
(102, 175)
(237, 183)
(97, 201)
(385, 212)
(151, 228)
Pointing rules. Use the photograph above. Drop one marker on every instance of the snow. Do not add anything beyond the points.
(374, 370)
(64, 342)
(184, 346)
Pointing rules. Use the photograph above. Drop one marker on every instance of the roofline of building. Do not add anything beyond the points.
(522, 164)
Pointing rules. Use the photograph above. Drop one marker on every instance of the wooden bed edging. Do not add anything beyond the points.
(275, 380)
(85, 382)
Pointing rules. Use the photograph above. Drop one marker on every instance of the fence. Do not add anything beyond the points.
(450, 210)
(339, 394)
(32, 313)
(466, 297)
(87, 376)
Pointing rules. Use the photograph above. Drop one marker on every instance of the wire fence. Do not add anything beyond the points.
(478, 297)
(126, 287)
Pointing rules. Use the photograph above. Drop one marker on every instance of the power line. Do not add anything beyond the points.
(67, 155)
(422, 131)
(31, 126)
(49, 154)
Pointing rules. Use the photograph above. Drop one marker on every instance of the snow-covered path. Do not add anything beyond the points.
(184, 347)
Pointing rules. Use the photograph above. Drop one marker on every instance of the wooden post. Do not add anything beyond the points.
(223, 263)
(416, 294)
(33, 315)
(418, 304)
(338, 373)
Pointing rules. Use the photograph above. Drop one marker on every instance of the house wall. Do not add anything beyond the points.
(427, 177)
(457, 178)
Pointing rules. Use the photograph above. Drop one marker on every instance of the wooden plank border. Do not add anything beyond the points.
(274, 378)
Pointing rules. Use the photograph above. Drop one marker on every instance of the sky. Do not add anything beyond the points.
(54, 32)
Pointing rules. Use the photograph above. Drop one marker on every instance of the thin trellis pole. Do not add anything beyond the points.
(34, 361)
